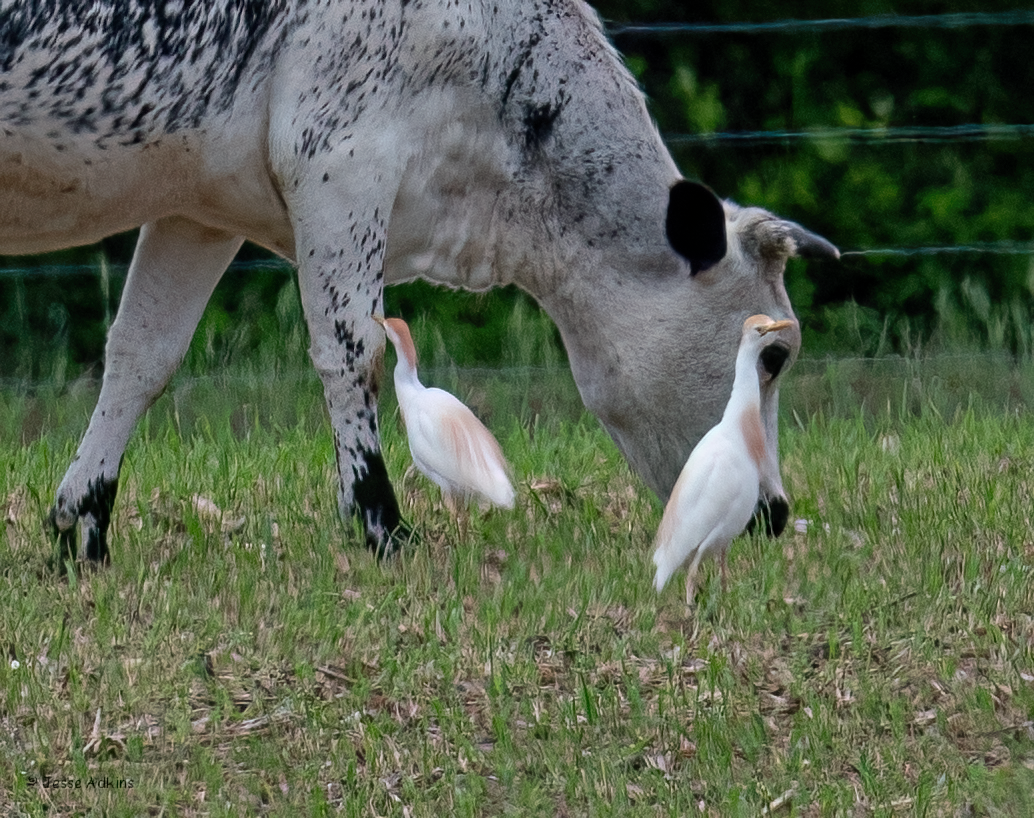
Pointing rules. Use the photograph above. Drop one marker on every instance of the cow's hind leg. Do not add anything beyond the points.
(175, 267)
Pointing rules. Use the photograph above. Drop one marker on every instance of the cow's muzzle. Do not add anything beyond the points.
(774, 358)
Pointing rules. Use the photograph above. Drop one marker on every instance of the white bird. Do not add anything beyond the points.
(717, 491)
(448, 443)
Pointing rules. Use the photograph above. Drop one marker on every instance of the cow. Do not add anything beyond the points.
(473, 144)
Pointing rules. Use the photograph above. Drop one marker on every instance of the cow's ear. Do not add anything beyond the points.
(695, 225)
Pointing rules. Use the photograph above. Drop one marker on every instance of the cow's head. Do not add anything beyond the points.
(563, 186)
(653, 339)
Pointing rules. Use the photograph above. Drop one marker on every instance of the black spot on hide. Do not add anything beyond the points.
(538, 123)
(343, 332)
(523, 60)
(14, 29)
(695, 225)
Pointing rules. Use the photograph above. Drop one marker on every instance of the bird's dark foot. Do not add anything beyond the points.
(772, 514)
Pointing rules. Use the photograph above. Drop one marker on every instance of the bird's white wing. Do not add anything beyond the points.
(710, 505)
(455, 449)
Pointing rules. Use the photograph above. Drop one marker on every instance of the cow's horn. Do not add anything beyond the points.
(811, 245)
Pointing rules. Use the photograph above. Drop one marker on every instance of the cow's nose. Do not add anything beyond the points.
(773, 358)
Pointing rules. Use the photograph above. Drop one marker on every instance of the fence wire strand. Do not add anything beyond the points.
(970, 132)
(118, 271)
(957, 20)
(1001, 248)
(292, 378)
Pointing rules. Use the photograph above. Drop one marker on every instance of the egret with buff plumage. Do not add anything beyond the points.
(448, 443)
(717, 491)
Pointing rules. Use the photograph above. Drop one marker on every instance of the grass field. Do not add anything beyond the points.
(243, 655)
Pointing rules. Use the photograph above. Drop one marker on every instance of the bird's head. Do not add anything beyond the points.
(772, 353)
(398, 333)
(763, 325)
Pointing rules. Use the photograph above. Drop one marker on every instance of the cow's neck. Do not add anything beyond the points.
(506, 167)
(443, 225)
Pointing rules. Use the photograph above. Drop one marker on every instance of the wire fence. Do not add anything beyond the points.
(973, 132)
(118, 271)
(792, 26)
(879, 136)
(443, 373)
(891, 387)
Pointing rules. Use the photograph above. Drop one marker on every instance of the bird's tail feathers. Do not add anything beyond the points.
(667, 563)
(501, 493)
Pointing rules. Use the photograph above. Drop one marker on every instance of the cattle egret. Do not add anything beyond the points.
(717, 491)
(449, 445)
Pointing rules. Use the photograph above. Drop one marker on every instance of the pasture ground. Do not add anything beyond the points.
(242, 655)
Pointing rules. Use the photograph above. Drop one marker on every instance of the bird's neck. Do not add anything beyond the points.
(746, 389)
(744, 408)
(406, 375)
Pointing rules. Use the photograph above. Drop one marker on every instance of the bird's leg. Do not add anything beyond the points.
(690, 584)
(462, 520)
(724, 565)
(458, 511)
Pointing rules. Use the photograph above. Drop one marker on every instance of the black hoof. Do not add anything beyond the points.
(377, 508)
(772, 514)
(66, 545)
(97, 546)
(66, 542)
(389, 546)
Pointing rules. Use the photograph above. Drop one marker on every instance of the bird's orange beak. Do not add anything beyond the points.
(775, 326)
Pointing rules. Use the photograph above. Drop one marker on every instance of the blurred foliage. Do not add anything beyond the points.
(861, 193)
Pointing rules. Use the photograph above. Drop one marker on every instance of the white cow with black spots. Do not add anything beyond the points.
(473, 144)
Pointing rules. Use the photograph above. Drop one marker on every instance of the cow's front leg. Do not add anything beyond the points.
(175, 267)
(341, 252)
